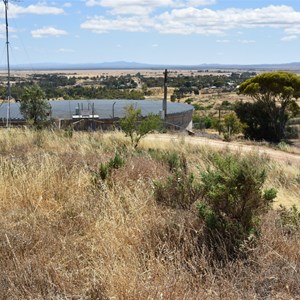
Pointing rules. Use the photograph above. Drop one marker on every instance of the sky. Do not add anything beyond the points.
(181, 32)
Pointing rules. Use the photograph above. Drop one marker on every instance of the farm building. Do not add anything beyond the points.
(103, 114)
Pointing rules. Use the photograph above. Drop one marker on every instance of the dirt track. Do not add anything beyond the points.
(292, 158)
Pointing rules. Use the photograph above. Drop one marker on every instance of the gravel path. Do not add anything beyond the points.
(278, 155)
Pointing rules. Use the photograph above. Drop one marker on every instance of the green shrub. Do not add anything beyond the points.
(199, 107)
(116, 162)
(189, 100)
(175, 162)
(68, 132)
(172, 159)
(179, 190)
(229, 126)
(233, 202)
(104, 171)
(202, 122)
(105, 168)
(289, 219)
(136, 127)
(283, 146)
(173, 98)
(225, 103)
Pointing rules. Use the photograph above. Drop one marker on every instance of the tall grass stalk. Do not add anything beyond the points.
(62, 237)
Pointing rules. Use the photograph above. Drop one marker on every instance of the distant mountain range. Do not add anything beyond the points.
(294, 66)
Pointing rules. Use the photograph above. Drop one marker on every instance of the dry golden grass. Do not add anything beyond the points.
(63, 236)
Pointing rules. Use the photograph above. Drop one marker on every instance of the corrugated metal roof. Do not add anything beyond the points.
(65, 109)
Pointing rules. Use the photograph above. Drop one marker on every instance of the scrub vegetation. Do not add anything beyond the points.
(260, 107)
(88, 216)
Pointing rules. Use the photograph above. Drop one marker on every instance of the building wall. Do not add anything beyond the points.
(180, 121)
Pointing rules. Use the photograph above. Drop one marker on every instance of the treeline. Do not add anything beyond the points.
(274, 103)
(113, 82)
(56, 86)
(187, 85)
(73, 87)
(199, 81)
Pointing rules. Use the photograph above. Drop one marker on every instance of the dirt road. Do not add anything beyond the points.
(292, 158)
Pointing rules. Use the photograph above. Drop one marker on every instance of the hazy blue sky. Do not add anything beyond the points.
(153, 31)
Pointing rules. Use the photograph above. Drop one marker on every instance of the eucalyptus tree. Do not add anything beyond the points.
(277, 93)
(34, 107)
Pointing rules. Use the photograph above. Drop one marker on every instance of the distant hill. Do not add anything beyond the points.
(293, 66)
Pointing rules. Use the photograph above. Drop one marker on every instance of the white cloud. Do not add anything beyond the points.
(126, 6)
(38, 9)
(3, 28)
(223, 41)
(131, 10)
(47, 32)
(92, 3)
(68, 4)
(102, 25)
(190, 20)
(64, 50)
(294, 30)
(246, 41)
(289, 38)
(116, 3)
(207, 21)
(201, 2)
(131, 7)
(155, 45)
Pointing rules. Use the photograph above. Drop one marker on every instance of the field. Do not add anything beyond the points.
(112, 72)
(210, 98)
(68, 234)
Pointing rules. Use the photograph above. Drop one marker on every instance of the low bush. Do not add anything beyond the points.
(105, 168)
(180, 189)
(233, 202)
(202, 122)
(69, 131)
(289, 219)
(135, 126)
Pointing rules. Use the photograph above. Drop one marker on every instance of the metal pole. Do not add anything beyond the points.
(113, 110)
(93, 112)
(219, 129)
(8, 65)
(165, 93)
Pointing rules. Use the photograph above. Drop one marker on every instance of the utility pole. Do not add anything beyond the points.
(113, 110)
(165, 93)
(8, 66)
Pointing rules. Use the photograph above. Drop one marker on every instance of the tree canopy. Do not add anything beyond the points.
(136, 127)
(277, 92)
(34, 107)
(257, 120)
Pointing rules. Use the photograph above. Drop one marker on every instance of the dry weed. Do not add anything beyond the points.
(62, 237)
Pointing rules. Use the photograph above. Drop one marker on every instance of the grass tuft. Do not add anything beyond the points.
(63, 237)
